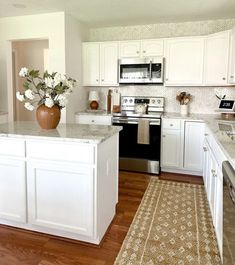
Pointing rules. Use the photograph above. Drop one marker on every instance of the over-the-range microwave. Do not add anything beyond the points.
(141, 70)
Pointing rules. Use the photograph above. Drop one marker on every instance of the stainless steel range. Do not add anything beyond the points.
(140, 139)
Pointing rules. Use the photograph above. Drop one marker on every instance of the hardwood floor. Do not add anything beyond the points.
(19, 247)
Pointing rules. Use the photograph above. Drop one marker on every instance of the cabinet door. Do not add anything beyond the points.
(193, 145)
(216, 58)
(129, 49)
(91, 64)
(231, 72)
(61, 196)
(109, 63)
(171, 149)
(152, 47)
(184, 61)
(219, 209)
(205, 164)
(12, 190)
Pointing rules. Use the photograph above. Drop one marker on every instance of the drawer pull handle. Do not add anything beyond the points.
(204, 149)
(224, 78)
(163, 135)
(92, 120)
(206, 134)
(171, 124)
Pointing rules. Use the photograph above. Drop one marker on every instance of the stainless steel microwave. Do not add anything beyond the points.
(141, 70)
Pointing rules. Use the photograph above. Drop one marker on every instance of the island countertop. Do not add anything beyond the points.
(93, 134)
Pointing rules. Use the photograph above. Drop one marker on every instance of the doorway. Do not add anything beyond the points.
(32, 54)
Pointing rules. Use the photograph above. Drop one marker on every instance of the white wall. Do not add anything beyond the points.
(75, 33)
(44, 26)
(28, 54)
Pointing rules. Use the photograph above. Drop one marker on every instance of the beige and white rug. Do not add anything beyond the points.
(173, 225)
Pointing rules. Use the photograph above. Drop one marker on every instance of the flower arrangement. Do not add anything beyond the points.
(50, 89)
(183, 98)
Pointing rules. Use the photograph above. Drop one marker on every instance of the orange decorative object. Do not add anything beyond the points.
(48, 118)
(94, 104)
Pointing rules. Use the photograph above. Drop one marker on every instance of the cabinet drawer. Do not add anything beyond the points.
(12, 147)
(94, 119)
(72, 152)
(173, 124)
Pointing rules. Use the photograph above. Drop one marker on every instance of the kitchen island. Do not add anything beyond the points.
(62, 182)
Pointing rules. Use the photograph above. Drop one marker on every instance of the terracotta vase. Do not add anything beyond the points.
(48, 118)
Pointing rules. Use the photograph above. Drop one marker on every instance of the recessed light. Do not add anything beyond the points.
(19, 5)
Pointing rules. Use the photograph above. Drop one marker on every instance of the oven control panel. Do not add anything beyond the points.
(153, 103)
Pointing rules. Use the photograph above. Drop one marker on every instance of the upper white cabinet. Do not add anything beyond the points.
(100, 64)
(193, 147)
(216, 58)
(91, 68)
(231, 71)
(143, 48)
(129, 49)
(184, 61)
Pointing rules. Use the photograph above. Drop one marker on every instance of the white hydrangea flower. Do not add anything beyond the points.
(29, 106)
(62, 100)
(23, 72)
(19, 96)
(29, 94)
(49, 82)
(49, 102)
(59, 78)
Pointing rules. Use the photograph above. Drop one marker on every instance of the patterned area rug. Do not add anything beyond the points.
(173, 225)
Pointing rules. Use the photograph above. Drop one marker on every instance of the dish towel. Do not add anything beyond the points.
(143, 132)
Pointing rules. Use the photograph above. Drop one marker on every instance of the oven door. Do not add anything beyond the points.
(139, 157)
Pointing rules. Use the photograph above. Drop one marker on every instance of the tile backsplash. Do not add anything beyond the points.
(204, 99)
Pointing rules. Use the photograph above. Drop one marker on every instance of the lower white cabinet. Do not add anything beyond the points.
(181, 146)
(93, 119)
(12, 190)
(193, 143)
(171, 148)
(213, 181)
(61, 196)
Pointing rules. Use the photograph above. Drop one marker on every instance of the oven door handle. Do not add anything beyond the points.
(126, 121)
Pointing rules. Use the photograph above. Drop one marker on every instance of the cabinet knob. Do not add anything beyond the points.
(166, 79)
(171, 124)
(92, 120)
(224, 78)
(102, 80)
(231, 76)
(204, 149)
(137, 52)
(144, 51)
(97, 80)
(206, 134)
(163, 135)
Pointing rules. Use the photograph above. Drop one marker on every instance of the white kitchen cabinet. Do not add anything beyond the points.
(181, 146)
(129, 49)
(67, 189)
(184, 61)
(93, 119)
(12, 190)
(216, 58)
(141, 48)
(213, 181)
(91, 64)
(231, 71)
(171, 149)
(100, 64)
(109, 63)
(193, 146)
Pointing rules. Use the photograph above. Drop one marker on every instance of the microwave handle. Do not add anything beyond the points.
(150, 69)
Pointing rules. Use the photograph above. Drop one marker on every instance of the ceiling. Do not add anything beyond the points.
(102, 13)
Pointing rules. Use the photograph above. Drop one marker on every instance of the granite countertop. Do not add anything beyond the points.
(191, 116)
(81, 133)
(94, 112)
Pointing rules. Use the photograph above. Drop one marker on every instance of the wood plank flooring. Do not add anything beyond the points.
(19, 247)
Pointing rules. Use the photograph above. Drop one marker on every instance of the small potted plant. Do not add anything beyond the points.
(184, 98)
(49, 92)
